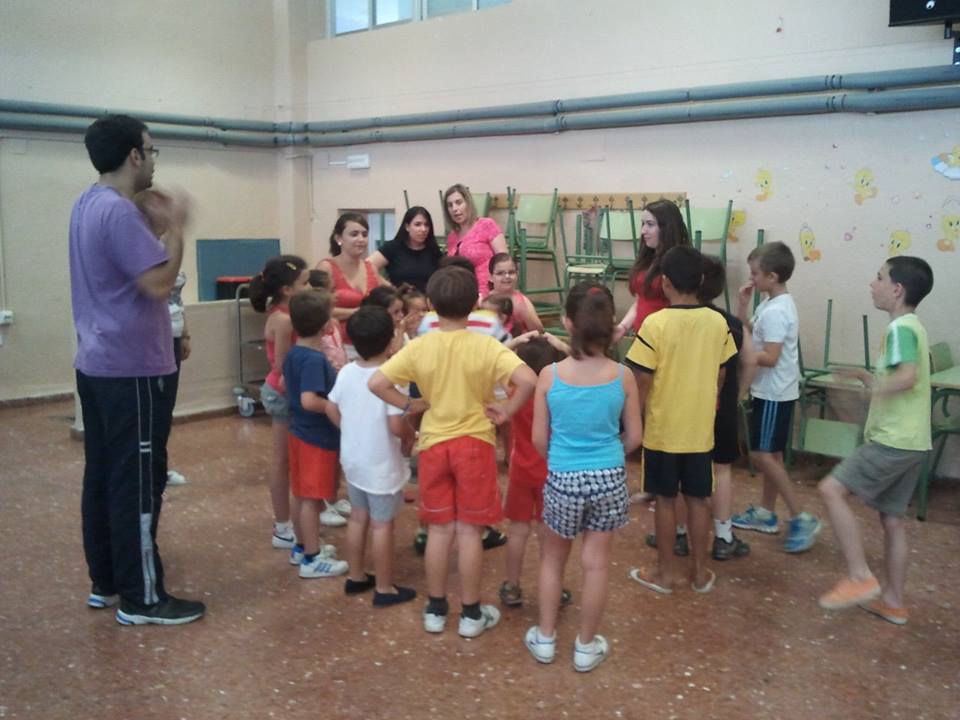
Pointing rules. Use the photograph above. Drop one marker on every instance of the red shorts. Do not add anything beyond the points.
(313, 470)
(524, 503)
(458, 481)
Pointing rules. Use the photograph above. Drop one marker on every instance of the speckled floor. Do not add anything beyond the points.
(275, 646)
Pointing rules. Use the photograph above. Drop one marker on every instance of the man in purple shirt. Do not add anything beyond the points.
(121, 275)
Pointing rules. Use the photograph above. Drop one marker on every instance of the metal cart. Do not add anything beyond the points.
(252, 366)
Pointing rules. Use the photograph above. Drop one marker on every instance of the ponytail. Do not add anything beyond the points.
(279, 272)
(590, 310)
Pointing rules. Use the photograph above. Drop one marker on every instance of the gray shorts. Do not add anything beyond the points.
(883, 477)
(382, 508)
(274, 402)
(586, 500)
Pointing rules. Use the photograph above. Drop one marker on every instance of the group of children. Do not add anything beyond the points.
(439, 383)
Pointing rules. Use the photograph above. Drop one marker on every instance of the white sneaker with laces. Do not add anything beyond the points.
(327, 552)
(343, 506)
(542, 648)
(322, 568)
(470, 628)
(175, 478)
(587, 657)
(283, 537)
(331, 518)
(433, 623)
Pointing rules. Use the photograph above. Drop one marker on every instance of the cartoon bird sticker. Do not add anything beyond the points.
(951, 233)
(764, 181)
(863, 187)
(900, 242)
(808, 243)
(737, 219)
(948, 164)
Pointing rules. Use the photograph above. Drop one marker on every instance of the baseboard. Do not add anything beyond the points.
(35, 400)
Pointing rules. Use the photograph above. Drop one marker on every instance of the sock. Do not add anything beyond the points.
(471, 610)
(283, 528)
(681, 529)
(437, 606)
(763, 513)
(723, 529)
(309, 558)
(298, 548)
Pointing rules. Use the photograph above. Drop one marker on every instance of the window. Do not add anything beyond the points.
(353, 15)
(349, 16)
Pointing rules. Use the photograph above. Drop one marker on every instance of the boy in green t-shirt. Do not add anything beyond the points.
(883, 472)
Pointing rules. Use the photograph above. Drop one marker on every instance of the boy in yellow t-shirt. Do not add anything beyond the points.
(456, 371)
(678, 359)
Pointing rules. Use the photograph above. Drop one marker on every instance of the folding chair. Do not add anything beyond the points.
(710, 225)
(534, 226)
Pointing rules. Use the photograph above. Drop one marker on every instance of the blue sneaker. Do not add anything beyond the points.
(803, 532)
(756, 519)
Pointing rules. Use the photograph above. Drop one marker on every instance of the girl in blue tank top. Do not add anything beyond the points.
(578, 409)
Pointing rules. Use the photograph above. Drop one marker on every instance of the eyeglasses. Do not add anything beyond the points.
(505, 273)
(154, 151)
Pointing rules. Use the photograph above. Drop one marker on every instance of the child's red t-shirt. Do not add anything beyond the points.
(527, 467)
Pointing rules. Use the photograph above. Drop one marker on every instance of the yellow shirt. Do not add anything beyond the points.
(455, 372)
(684, 347)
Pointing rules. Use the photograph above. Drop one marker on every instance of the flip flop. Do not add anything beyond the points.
(703, 590)
(640, 576)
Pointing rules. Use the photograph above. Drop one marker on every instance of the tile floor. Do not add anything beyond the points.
(275, 646)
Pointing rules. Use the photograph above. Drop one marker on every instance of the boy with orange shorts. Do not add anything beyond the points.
(456, 371)
(313, 442)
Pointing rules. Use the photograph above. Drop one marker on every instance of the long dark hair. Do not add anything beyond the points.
(278, 273)
(341, 225)
(673, 232)
(589, 308)
(404, 236)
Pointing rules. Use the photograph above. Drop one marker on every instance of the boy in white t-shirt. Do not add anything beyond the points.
(373, 439)
(775, 389)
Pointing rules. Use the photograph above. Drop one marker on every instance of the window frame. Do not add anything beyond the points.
(418, 12)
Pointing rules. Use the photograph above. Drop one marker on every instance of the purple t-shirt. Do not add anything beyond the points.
(120, 331)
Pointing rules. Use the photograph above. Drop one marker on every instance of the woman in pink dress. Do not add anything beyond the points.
(477, 239)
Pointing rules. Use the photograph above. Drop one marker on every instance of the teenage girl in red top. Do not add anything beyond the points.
(352, 274)
(662, 229)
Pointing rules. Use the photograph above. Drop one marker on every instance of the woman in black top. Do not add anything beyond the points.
(413, 254)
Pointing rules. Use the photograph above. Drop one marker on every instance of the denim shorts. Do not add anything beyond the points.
(274, 402)
(594, 500)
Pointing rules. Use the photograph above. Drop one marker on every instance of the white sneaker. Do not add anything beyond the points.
(323, 567)
(283, 537)
(489, 616)
(343, 506)
(175, 478)
(587, 657)
(434, 623)
(542, 648)
(327, 552)
(331, 518)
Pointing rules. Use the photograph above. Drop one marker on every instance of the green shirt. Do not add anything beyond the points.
(902, 420)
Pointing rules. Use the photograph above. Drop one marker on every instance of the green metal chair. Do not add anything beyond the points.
(534, 226)
(710, 225)
(940, 359)
(588, 260)
(620, 228)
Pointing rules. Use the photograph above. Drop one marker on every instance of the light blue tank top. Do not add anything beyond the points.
(585, 425)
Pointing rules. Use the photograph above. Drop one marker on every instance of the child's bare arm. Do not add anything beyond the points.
(769, 355)
(381, 386)
(644, 383)
(540, 430)
(632, 435)
(744, 296)
(399, 427)
(900, 380)
(721, 378)
(525, 381)
(333, 413)
(748, 365)
(312, 402)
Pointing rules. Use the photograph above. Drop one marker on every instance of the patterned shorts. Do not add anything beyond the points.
(586, 500)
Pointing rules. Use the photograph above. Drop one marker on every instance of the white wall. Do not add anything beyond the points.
(211, 59)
